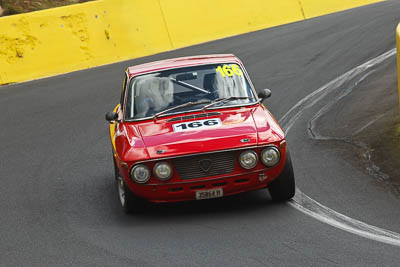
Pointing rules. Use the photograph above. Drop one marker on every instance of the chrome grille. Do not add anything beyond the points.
(190, 167)
(195, 116)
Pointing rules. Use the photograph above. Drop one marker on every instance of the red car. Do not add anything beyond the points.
(194, 128)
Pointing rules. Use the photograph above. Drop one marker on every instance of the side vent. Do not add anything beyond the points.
(241, 181)
(176, 189)
(197, 187)
(220, 184)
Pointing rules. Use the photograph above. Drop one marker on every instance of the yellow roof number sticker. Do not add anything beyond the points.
(229, 71)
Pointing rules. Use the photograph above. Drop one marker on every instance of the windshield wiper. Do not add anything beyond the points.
(222, 100)
(189, 85)
(181, 106)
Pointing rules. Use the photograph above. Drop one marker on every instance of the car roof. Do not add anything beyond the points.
(181, 62)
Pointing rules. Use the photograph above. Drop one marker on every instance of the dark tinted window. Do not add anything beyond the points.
(152, 93)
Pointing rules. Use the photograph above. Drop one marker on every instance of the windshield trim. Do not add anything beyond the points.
(239, 62)
(195, 110)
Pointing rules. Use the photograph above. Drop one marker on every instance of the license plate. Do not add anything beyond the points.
(212, 193)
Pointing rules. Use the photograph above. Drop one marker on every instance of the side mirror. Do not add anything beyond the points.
(264, 94)
(111, 116)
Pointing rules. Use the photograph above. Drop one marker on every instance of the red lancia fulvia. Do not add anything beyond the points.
(194, 128)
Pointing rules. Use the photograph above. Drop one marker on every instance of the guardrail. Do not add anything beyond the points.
(70, 38)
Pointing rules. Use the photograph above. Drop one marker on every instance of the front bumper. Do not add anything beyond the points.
(182, 191)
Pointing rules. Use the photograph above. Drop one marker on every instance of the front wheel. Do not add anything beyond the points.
(283, 188)
(129, 202)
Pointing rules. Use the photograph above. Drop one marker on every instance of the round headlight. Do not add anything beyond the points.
(140, 174)
(163, 171)
(270, 156)
(248, 159)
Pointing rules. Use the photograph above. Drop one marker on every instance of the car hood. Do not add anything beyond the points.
(236, 129)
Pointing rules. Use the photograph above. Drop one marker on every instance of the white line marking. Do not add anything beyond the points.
(367, 125)
(326, 215)
(347, 90)
(313, 208)
(310, 100)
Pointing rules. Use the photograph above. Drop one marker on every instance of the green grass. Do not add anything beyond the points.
(22, 6)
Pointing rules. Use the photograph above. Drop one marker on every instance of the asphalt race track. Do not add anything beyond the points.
(58, 201)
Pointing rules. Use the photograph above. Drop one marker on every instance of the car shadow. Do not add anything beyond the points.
(244, 204)
(240, 204)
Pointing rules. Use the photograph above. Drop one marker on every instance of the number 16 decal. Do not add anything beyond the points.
(196, 125)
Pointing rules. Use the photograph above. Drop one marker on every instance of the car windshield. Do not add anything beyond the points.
(187, 89)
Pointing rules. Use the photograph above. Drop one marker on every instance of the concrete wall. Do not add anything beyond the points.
(65, 39)
(314, 8)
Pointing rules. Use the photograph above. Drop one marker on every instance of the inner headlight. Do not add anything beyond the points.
(248, 159)
(163, 171)
(140, 173)
(270, 156)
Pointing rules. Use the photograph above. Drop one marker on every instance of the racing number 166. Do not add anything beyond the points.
(196, 124)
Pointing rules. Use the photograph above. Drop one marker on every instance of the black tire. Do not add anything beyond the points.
(130, 203)
(283, 188)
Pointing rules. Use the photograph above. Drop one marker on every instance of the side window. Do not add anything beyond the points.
(123, 91)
